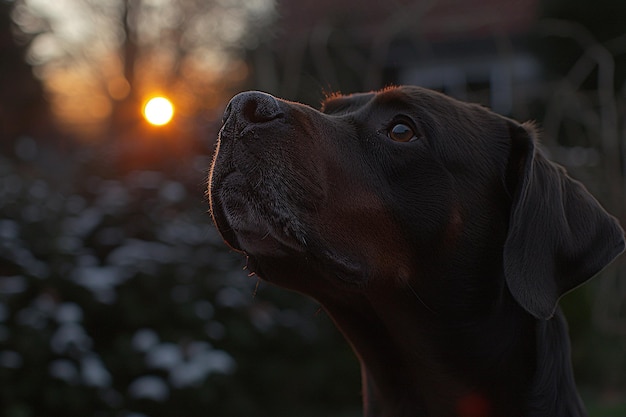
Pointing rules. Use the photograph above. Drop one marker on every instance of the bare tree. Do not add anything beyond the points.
(99, 58)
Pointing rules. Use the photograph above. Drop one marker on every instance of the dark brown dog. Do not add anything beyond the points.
(435, 234)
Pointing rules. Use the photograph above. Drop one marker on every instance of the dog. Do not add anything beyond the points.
(435, 233)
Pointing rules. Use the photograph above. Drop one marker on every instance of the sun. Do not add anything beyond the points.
(158, 111)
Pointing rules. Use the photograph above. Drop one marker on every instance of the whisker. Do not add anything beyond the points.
(420, 299)
(256, 288)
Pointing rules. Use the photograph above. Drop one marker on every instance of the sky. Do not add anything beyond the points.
(188, 50)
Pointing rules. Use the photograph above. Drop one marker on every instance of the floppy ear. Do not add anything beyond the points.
(559, 235)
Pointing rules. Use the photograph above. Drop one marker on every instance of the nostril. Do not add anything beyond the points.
(251, 107)
(260, 108)
(250, 110)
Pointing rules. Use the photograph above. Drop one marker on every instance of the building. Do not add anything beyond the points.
(470, 49)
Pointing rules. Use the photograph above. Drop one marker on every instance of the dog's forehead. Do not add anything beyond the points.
(397, 96)
(392, 97)
(339, 104)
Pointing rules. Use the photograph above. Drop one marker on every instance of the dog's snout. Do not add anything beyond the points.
(253, 107)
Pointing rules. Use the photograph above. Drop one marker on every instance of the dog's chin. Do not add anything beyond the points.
(255, 232)
(287, 262)
(283, 254)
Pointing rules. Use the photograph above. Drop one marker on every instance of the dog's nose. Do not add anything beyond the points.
(253, 107)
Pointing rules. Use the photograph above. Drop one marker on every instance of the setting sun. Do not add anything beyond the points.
(158, 111)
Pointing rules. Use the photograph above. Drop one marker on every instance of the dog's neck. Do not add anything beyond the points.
(406, 374)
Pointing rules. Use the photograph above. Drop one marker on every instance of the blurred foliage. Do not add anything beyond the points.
(118, 298)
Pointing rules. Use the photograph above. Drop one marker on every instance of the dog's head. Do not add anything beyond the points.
(403, 188)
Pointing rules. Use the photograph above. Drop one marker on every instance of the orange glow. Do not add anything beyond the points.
(158, 111)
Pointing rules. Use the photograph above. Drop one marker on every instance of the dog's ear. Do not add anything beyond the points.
(559, 236)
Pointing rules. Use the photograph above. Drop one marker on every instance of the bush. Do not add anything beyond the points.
(117, 298)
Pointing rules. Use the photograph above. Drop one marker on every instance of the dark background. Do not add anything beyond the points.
(118, 298)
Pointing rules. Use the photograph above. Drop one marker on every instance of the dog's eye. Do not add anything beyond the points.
(401, 132)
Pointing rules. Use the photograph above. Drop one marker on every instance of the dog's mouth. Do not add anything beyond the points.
(266, 236)
(253, 223)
